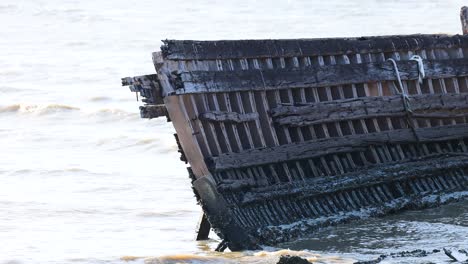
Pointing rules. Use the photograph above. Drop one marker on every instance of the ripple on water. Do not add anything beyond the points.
(172, 213)
(99, 99)
(270, 256)
(37, 109)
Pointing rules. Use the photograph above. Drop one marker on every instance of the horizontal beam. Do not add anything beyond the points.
(422, 167)
(325, 146)
(425, 105)
(153, 111)
(221, 116)
(147, 85)
(314, 76)
(269, 48)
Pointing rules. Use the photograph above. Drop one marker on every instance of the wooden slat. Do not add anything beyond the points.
(147, 85)
(317, 148)
(239, 49)
(153, 111)
(314, 76)
(427, 105)
(464, 19)
(416, 170)
(223, 116)
(176, 109)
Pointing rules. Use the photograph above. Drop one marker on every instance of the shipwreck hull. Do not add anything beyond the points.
(287, 136)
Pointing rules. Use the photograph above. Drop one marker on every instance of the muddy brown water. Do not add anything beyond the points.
(84, 180)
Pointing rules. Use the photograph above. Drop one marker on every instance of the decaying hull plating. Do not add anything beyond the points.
(287, 136)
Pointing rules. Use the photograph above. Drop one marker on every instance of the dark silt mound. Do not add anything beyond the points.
(287, 259)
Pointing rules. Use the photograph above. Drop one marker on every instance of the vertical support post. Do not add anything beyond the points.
(203, 228)
(464, 19)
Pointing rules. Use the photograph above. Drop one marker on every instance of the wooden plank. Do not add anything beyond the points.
(223, 116)
(325, 146)
(240, 49)
(464, 19)
(416, 169)
(177, 113)
(147, 85)
(153, 111)
(204, 228)
(425, 105)
(314, 76)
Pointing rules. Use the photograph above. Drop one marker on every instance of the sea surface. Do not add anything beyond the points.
(84, 180)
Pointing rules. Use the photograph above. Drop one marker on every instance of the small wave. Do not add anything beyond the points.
(247, 257)
(99, 98)
(7, 7)
(21, 172)
(165, 214)
(10, 108)
(69, 170)
(188, 259)
(12, 262)
(130, 258)
(9, 89)
(114, 112)
(76, 44)
(146, 141)
(11, 73)
(37, 109)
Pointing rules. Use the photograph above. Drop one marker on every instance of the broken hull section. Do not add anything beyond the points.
(287, 136)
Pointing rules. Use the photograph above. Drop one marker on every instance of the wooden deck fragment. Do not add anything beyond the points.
(422, 106)
(221, 116)
(464, 19)
(321, 147)
(237, 49)
(317, 76)
(286, 136)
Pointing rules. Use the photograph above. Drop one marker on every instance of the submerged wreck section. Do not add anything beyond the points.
(287, 136)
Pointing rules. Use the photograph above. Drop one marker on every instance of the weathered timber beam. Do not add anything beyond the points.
(320, 147)
(423, 167)
(147, 85)
(220, 216)
(153, 111)
(464, 19)
(313, 76)
(237, 49)
(221, 116)
(204, 228)
(424, 105)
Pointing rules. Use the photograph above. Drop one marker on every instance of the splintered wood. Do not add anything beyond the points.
(286, 136)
